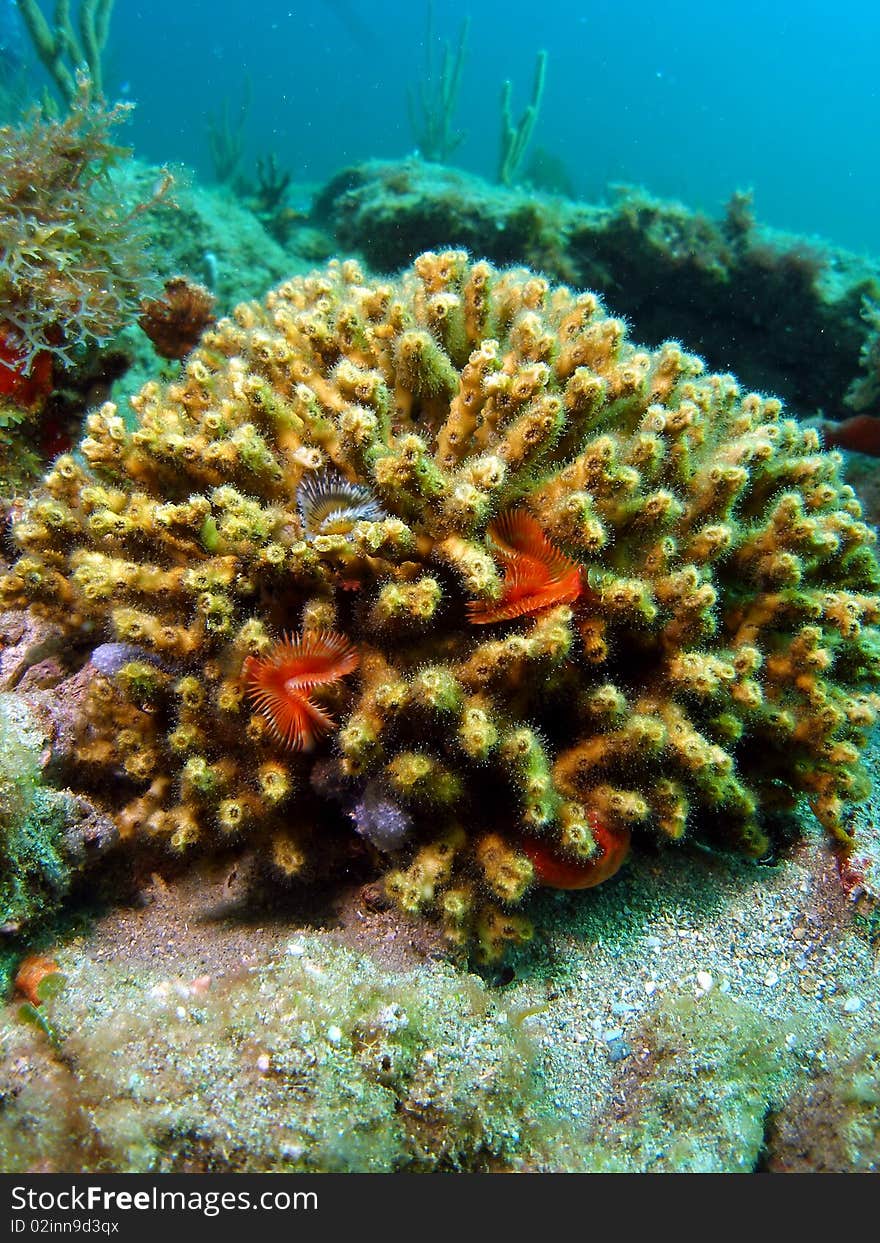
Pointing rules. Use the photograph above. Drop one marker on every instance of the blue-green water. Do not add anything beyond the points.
(689, 98)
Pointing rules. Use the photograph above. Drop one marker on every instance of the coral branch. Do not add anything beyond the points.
(59, 48)
(432, 121)
(226, 137)
(516, 138)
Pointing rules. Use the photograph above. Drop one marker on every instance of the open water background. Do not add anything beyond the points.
(690, 98)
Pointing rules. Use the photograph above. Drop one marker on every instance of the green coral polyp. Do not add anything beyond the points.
(710, 668)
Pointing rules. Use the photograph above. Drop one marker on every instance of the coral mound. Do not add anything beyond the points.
(590, 588)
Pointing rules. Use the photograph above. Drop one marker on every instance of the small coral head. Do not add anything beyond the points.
(329, 504)
(278, 684)
(558, 872)
(175, 321)
(536, 574)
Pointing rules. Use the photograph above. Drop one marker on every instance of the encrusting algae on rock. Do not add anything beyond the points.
(576, 592)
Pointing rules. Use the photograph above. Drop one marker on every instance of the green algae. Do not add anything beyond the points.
(832, 1120)
(697, 1101)
(318, 1060)
(35, 871)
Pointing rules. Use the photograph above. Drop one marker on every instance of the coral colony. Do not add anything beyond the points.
(447, 569)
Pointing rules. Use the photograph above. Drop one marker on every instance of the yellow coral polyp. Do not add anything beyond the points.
(287, 856)
(715, 661)
(506, 872)
(275, 782)
(477, 732)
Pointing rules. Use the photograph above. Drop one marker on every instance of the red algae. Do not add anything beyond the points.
(26, 385)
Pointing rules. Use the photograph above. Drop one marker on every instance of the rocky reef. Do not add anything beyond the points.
(48, 837)
(787, 314)
(450, 556)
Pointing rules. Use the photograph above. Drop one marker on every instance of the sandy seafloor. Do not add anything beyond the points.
(699, 1013)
